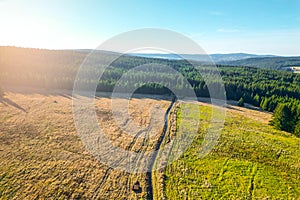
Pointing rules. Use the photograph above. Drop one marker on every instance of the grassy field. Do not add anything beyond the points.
(251, 161)
(42, 157)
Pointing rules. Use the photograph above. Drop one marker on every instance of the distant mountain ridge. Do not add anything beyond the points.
(232, 59)
(235, 59)
(217, 58)
(266, 62)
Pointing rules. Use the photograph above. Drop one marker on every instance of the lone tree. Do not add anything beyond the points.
(282, 118)
(241, 102)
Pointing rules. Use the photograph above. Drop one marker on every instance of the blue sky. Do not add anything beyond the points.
(219, 26)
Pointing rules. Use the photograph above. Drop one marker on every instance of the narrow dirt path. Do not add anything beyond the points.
(160, 141)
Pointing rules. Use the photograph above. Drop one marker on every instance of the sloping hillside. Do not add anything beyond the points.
(251, 161)
(42, 156)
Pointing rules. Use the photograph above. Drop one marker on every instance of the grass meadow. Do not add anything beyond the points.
(251, 161)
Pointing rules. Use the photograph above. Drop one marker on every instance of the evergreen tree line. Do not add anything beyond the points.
(268, 89)
(260, 87)
(271, 90)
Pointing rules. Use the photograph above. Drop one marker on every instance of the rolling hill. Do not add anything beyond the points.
(42, 156)
(217, 58)
(235, 59)
(251, 161)
(266, 62)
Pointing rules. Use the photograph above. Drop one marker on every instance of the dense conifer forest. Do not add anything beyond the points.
(271, 90)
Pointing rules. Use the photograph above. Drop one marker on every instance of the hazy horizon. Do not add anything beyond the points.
(254, 27)
(152, 52)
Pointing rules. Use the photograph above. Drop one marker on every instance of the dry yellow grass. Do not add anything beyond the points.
(41, 155)
(248, 111)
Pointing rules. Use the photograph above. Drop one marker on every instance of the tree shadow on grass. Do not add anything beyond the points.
(6, 101)
(233, 108)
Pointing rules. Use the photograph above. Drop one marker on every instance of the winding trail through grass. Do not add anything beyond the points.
(160, 141)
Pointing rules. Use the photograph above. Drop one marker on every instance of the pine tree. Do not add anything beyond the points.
(241, 102)
(297, 112)
(256, 100)
(297, 129)
(282, 118)
(265, 104)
